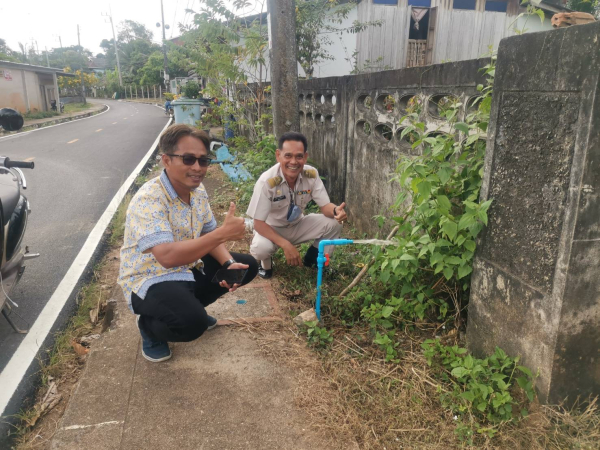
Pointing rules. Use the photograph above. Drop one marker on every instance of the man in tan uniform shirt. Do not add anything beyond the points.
(277, 205)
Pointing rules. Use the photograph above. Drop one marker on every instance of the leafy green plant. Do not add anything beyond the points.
(427, 272)
(387, 344)
(317, 337)
(481, 391)
(191, 89)
(531, 10)
(256, 159)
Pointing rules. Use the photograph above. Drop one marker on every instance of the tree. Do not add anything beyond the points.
(135, 46)
(89, 80)
(316, 22)
(129, 31)
(178, 65)
(75, 57)
(227, 51)
(6, 53)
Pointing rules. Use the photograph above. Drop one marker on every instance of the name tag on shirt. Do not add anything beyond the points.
(303, 192)
(276, 199)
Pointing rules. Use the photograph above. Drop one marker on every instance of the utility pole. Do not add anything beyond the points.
(109, 15)
(81, 56)
(284, 66)
(47, 60)
(164, 46)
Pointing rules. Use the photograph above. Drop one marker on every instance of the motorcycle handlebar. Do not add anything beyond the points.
(20, 164)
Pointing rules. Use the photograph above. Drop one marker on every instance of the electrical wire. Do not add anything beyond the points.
(174, 16)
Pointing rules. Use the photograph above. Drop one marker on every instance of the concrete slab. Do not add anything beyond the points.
(105, 436)
(255, 300)
(217, 392)
(103, 392)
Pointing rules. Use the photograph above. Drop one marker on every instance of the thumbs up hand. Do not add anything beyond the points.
(340, 214)
(233, 227)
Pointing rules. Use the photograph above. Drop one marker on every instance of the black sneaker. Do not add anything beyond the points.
(310, 257)
(265, 274)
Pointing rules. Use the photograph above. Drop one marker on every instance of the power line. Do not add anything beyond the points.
(174, 16)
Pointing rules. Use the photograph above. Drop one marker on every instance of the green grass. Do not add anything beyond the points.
(39, 115)
(76, 107)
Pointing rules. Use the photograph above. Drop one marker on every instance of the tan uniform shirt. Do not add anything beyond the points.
(271, 198)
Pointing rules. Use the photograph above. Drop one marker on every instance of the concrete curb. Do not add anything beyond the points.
(55, 121)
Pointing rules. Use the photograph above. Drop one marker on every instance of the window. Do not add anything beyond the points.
(496, 5)
(464, 4)
(421, 3)
(385, 2)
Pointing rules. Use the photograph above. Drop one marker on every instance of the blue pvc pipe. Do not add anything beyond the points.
(320, 263)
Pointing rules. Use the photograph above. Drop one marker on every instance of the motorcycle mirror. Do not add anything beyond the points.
(10, 119)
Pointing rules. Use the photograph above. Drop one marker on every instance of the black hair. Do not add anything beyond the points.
(293, 136)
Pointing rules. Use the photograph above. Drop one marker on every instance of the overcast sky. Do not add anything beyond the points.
(27, 21)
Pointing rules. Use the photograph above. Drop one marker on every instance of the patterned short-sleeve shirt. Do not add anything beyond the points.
(156, 215)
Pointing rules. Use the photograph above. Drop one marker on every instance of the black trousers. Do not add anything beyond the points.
(173, 311)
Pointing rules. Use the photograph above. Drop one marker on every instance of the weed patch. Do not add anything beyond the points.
(40, 115)
(76, 107)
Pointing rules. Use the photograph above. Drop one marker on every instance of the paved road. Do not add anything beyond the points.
(79, 166)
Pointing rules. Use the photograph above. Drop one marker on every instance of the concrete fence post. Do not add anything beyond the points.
(536, 283)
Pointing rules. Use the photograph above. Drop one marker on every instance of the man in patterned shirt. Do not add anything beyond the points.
(172, 247)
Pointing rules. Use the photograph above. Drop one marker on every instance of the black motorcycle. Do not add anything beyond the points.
(14, 210)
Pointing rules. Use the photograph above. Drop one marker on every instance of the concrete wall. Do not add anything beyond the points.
(12, 92)
(535, 285)
(358, 166)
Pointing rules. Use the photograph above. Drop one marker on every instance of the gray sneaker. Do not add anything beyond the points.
(212, 322)
(154, 351)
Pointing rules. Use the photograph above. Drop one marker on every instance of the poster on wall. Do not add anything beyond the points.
(7, 75)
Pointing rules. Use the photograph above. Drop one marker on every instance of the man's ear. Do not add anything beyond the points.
(165, 159)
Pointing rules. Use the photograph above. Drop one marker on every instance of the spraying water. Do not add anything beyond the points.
(375, 241)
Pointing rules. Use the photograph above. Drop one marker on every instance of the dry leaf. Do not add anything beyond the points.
(79, 349)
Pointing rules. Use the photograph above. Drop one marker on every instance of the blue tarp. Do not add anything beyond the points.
(235, 171)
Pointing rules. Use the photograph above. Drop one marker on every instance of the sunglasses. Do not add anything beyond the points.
(190, 160)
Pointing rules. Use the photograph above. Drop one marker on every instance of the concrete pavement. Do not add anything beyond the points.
(218, 392)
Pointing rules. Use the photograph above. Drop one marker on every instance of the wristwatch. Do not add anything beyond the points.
(334, 211)
(229, 262)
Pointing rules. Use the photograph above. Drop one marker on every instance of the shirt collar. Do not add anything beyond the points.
(164, 179)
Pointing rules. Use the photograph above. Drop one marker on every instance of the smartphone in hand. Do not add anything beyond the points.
(231, 276)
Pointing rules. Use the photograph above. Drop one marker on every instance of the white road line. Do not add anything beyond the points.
(57, 125)
(20, 361)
